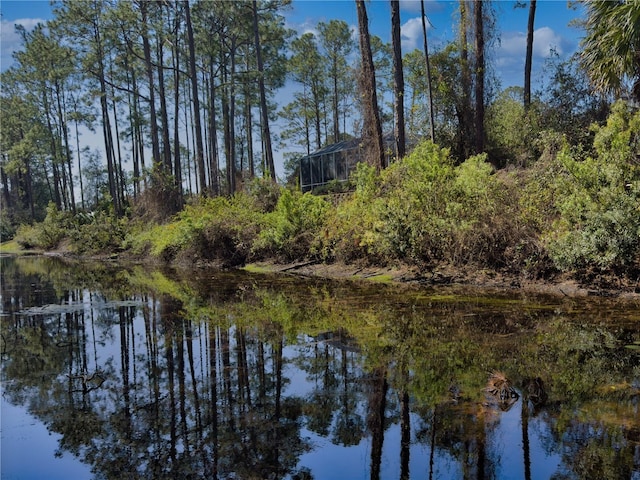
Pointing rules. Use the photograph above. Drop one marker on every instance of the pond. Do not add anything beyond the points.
(121, 371)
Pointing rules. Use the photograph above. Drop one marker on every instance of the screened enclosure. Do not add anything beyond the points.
(333, 162)
(338, 161)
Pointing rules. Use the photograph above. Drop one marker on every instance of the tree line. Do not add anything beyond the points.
(182, 96)
(171, 88)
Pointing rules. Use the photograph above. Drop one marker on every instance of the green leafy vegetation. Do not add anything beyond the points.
(598, 199)
(530, 183)
(99, 232)
(292, 228)
(576, 209)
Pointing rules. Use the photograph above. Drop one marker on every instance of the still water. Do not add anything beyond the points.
(114, 372)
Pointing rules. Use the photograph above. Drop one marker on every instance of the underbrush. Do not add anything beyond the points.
(291, 231)
(576, 209)
(591, 203)
(425, 210)
(82, 233)
(217, 228)
(220, 229)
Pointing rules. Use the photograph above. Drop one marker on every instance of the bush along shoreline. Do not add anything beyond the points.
(572, 214)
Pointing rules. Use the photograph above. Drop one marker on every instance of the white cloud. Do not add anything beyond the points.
(510, 55)
(513, 44)
(411, 34)
(545, 41)
(11, 41)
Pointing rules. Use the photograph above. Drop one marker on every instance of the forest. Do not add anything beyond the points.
(183, 96)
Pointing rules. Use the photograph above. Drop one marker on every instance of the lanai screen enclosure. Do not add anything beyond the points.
(333, 162)
(336, 162)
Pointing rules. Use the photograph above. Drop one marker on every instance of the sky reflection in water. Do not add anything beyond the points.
(233, 375)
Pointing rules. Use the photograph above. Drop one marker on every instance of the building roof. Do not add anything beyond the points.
(336, 147)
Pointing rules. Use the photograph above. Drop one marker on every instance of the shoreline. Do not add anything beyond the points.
(561, 285)
(446, 276)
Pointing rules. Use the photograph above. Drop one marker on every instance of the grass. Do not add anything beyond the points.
(380, 278)
(12, 247)
(255, 268)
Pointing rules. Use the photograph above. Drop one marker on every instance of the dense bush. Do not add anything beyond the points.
(292, 229)
(345, 236)
(423, 209)
(217, 228)
(511, 131)
(98, 232)
(7, 228)
(413, 208)
(576, 209)
(263, 193)
(598, 199)
(49, 233)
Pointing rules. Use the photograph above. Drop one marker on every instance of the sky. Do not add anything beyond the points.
(553, 32)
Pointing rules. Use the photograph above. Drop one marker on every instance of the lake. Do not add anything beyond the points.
(125, 372)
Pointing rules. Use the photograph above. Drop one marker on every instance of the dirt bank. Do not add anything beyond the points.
(561, 285)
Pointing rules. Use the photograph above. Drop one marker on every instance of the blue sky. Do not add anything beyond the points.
(552, 26)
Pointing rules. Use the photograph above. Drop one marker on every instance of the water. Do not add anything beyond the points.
(122, 372)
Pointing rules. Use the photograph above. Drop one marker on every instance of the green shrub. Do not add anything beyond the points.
(345, 236)
(217, 228)
(264, 193)
(598, 199)
(231, 230)
(27, 236)
(511, 130)
(411, 220)
(292, 228)
(334, 186)
(425, 210)
(49, 233)
(100, 232)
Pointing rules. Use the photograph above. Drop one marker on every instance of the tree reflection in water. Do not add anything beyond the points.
(231, 375)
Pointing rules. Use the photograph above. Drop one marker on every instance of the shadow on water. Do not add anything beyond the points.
(210, 374)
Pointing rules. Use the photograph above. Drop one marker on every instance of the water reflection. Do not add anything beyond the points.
(231, 375)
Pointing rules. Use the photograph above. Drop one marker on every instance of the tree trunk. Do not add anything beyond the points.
(377, 399)
(229, 121)
(464, 111)
(266, 134)
(119, 176)
(164, 117)
(428, 71)
(64, 134)
(405, 434)
(75, 122)
(5, 188)
(213, 136)
(317, 112)
(529, 57)
(196, 102)
(155, 139)
(480, 68)
(372, 129)
(249, 128)
(398, 81)
(136, 129)
(177, 161)
(226, 128)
